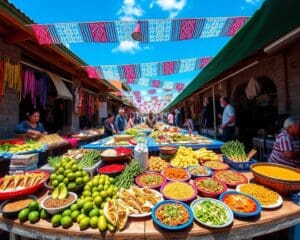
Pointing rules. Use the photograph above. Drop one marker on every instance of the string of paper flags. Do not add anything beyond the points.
(146, 31)
(132, 72)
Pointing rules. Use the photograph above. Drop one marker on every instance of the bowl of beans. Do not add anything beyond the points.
(55, 205)
(11, 207)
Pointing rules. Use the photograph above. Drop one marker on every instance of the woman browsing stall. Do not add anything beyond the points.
(31, 125)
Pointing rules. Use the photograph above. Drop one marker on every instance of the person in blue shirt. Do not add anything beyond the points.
(120, 121)
(31, 125)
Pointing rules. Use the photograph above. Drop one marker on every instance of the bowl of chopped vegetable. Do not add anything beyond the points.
(212, 213)
(150, 180)
(209, 187)
(242, 205)
(172, 215)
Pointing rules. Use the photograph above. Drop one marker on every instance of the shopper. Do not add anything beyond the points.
(227, 128)
(286, 148)
(188, 123)
(171, 119)
(31, 125)
(109, 128)
(120, 121)
(150, 121)
(131, 121)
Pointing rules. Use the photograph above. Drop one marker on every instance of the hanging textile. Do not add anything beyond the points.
(153, 30)
(253, 88)
(77, 101)
(132, 72)
(29, 82)
(12, 75)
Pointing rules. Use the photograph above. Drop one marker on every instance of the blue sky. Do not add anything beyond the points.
(54, 11)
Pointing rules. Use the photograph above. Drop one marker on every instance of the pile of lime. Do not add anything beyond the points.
(70, 173)
(33, 213)
(88, 209)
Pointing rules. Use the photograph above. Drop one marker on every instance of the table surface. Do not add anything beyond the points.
(153, 145)
(269, 221)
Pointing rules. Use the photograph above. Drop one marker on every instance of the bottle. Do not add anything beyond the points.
(141, 154)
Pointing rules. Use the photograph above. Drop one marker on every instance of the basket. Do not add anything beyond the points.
(283, 187)
(27, 191)
(239, 166)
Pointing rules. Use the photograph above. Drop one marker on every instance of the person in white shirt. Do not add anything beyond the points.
(227, 127)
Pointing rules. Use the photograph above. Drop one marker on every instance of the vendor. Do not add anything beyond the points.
(286, 148)
(120, 121)
(150, 121)
(31, 125)
(109, 128)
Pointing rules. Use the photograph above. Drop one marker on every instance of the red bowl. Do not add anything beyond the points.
(4, 195)
(230, 184)
(122, 167)
(207, 193)
(140, 184)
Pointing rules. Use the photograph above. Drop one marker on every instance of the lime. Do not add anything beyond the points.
(74, 167)
(66, 181)
(80, 217)
(34, 206)
(88, 199)
(67, 172)
(61, 170)
(67, 212)
(86, 193)
(71, 185)
(94, 189)
(84, 223)
(53, 176)
(97, 200)
(101, 181)
(60, 178)
(79, 181)
(80, 203)
(71, 176)
(66, 221)
(78, 174)
(100, 187)
(111, 227)
(54, 183)
(111, 180)
(23, 214)
(94, 212)
(103, 194)
(57, 166)
(105, 187)
(80, 168)
(75, 215)
(34, 216)
(110, 192)
(74, 207)
(94, 222)
(102, 205)
(55, 220)
(44, 214)
(102, 224)
(101, 212)
(95, 182)
(73, 161)
(68, 166)
(88, 206)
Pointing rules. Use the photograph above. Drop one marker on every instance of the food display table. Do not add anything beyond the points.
(143, 228)
(153, 146)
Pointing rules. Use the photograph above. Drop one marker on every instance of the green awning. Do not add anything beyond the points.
(273, 20)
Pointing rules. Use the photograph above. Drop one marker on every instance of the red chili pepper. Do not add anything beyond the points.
(123, 151)
(112, 168)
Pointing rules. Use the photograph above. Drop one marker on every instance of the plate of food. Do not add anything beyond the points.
(180, 191)
(230, 178)
(268, 198)
(150, 180)
(176, 174)
(242, 205)
(22, 184)
(139, 201)
(212, 213)
(209, 187)
(199, 171)
(216, 165)
(172, 215)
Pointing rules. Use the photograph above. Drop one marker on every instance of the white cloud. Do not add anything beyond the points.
(252, 1)
(127, 47)
(171, 6)
(130, 10)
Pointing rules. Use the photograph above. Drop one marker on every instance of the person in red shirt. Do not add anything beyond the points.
(286, 148)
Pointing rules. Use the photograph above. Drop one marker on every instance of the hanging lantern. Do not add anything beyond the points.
(137, 33)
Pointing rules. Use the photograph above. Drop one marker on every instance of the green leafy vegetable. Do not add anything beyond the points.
(235, 150)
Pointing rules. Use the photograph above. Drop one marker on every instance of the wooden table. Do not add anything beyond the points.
(269, 221)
